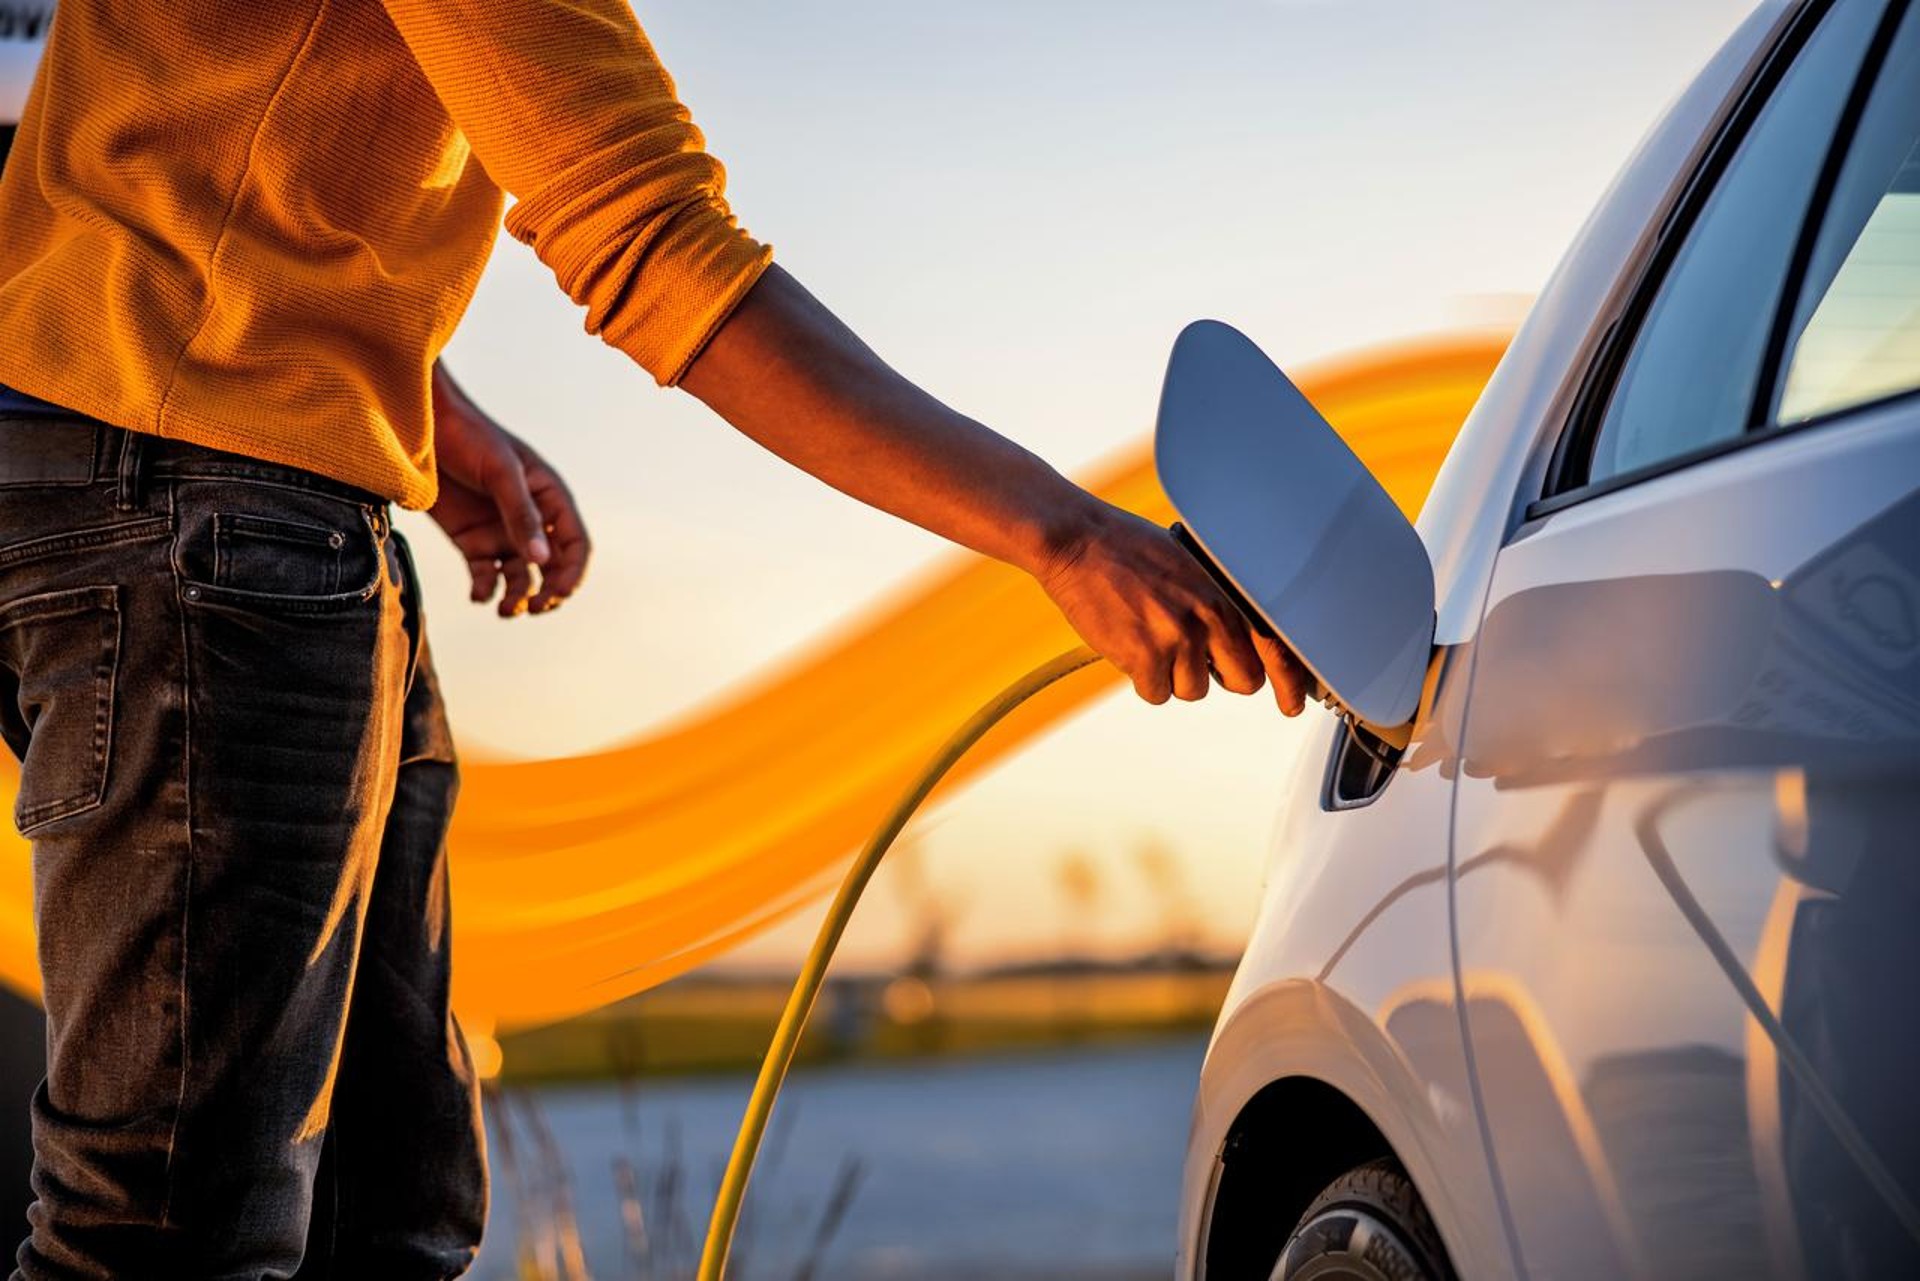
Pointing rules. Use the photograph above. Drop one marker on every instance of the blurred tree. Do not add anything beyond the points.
(1165, 873)
(930, 913)
(1078, 877)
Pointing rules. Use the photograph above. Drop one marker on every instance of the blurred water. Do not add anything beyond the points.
(1059, 1166)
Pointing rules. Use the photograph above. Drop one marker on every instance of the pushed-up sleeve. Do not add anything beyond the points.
(570, 111)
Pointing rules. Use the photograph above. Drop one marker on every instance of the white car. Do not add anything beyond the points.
(1609, 964)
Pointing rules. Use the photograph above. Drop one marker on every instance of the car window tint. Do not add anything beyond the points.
(1691, 378)
(1856, 329)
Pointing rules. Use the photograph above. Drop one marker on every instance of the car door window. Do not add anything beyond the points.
(1689, 381)
(1854, 335)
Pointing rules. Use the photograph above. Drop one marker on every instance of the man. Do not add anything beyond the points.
(237, 236)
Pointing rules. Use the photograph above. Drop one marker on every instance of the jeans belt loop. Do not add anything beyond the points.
(126, 494)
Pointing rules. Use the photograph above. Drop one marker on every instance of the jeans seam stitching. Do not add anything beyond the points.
(96, 539)
(104, 601)
(104, 708)
(186, 874)
(268, 474)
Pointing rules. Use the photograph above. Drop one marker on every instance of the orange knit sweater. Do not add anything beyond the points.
(254, 225)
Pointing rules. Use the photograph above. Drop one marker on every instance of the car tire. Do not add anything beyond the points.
(1367, 1225)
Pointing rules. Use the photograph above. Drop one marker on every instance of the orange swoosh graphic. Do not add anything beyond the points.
(584, 879)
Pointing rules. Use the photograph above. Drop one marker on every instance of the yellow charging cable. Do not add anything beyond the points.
(793, 1020)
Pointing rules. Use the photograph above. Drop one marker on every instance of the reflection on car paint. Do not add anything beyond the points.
(1718, 769)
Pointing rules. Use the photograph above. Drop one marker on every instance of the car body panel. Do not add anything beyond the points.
(1348, 982)
(1671, 848)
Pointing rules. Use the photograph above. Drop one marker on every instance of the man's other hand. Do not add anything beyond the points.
(505, 508)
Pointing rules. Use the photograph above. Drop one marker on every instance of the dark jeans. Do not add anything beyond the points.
(236, 775)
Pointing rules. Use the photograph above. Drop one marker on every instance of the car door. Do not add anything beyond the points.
(1686, 887)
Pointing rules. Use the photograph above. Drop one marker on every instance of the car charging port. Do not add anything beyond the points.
(1360, 766)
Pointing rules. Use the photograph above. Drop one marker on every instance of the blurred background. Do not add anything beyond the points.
(1019, 204)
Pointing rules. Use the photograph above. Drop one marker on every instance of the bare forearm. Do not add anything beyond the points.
(787, 373)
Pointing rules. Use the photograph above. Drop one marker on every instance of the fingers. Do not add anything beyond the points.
(566, 567)
(1230, 644)
(485, 573)
(1152, 678)
(517, 575)
(1220, 642)
(540, 545)
(1223, 645)
(1192, 667)
(1137, 597)
(505, 480)
(1284, 671)
(512, 573)
(1215, 640)
(1212, 640)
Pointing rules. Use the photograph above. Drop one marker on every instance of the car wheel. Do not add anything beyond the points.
(1367, 1225)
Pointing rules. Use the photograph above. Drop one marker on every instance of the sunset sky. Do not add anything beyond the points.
(1020, 204)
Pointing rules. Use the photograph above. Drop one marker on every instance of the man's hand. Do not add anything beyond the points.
(504, 508)
(1145, 604)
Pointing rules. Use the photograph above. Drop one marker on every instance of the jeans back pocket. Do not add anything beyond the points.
(60, 651)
